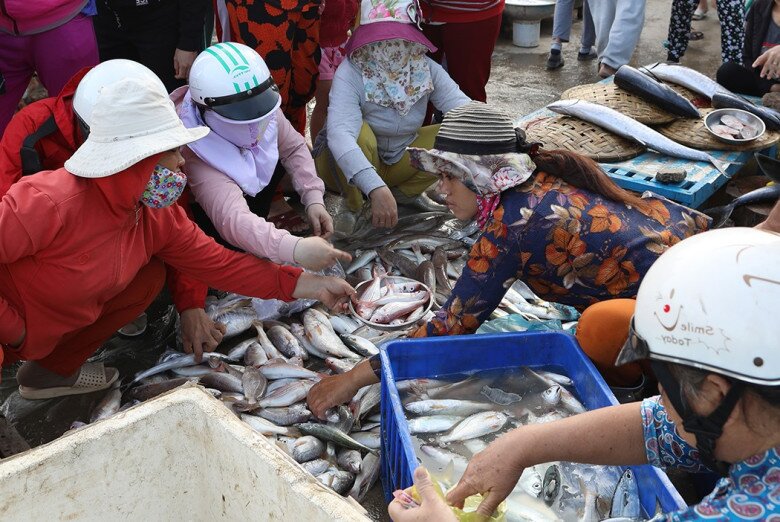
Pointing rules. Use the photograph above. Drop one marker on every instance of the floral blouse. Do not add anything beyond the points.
(751, 490)
(569, 245)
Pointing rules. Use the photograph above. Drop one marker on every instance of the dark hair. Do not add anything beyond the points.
(582, 172)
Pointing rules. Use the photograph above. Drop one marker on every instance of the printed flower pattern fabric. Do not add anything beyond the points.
(164, 187)
(395, 73)
(750, 491)
(569, 245)
(731, 14)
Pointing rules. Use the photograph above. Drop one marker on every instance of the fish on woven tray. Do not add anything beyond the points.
(655, 92)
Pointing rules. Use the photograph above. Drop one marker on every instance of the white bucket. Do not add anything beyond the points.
(182, 456)
(525, 33)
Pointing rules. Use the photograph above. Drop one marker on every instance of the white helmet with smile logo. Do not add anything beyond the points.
(712, 302)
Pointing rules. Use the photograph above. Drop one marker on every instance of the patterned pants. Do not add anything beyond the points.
(731, 14)
(287, 37)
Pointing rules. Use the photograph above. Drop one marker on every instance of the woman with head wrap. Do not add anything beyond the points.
(553, 219)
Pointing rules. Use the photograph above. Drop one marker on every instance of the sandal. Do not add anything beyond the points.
(92, 377)
(291, 221)
(698, 14)
(695, 35)
(135, 327)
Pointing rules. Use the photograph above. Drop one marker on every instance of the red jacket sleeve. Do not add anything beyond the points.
(189, 250)
(21, 125)
(186, 292)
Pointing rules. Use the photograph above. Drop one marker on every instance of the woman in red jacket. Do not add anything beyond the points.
(82, 247)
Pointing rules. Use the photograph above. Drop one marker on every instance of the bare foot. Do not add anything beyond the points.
(605, 71)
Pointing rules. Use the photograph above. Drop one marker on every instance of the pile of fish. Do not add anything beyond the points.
(264, 374)
(736, 127)
(453, 419)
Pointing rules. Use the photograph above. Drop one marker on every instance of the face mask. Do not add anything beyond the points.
(240, 134)
(164, 187)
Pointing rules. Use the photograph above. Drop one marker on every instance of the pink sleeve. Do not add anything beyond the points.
(223, 201)
(297, 160)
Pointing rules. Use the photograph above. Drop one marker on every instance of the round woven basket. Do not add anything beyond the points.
(693, 133)
(575, 135)
(612, 96)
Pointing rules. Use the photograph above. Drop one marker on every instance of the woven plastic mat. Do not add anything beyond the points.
(612, 96)
(693, 133)
(575, 135)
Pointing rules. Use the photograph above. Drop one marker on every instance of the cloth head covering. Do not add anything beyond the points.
(245, 151)
(480, 147)
(395, 73)
(133, 119)
(385, 20)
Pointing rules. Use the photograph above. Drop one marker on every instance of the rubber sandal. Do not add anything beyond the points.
(135, 327)
(290, 221)
(92, 378)
(698, 14)
(695, 35)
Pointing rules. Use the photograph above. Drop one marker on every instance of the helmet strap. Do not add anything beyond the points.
(706, 429)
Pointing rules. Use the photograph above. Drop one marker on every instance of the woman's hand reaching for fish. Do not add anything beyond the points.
(338, 389)
(431, 507)
(319, 219)
(769, 63)
(333, 292)
(199, 333)
(314, 253)
(494, 472)
(384, 209)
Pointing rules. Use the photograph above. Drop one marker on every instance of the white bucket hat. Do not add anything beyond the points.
(132, 120)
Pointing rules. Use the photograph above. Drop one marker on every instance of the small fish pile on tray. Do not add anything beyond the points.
(453, 418)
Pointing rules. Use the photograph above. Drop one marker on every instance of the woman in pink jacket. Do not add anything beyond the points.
(53, 37)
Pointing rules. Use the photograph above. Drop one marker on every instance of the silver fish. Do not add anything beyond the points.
(323, 338)
(369, 473)
(556, 378)
(270, 350)
(255, 355)
(369, 439)
(254, 383)
(360, 345)
(531, 481)
(193, 371)
(286, 370)
(361, 260)
(498, 396)
(442, 458)
(433, 423)
(389, 312)
(625, 501)
(300, 333)
(286, 395)
(446, 407)
(286, 416)
(307, 448)
(340, 365)
(107, 406)
(237, 317)
(286, 343)
(175, 361)
(329, 433)
(475, 445)
(278, 383)
(349, 460)
(369, 400)
(316, 466)
(343, 324)
(688, 78)
(475, 426)
(631, 129)
(267, 427)
(147, 391)
(338, 480)
(223, 382)
(552, 395)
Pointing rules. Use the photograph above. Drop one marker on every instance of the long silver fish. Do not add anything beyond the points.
(476, 425)
(176, 361)
(688, 78)
(360, 345)
(625, 501)
(631, 129)
(267, 427)
(369, 439)
(237, 317)
(361, 260)
(447, 407)
(223, 381)
(286, 342)
(531, 481)
(286, 416)
(286, 370)
(369, 473)
(286, 395)
(270, 350)
(323, 338)
(329, 433)
(254, 383)
(299, 332)
(433, 423)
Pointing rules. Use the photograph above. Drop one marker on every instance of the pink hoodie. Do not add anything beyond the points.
(23, 17)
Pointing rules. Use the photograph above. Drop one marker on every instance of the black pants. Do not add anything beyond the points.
(147, 34)
(260, 205)
(743, 80)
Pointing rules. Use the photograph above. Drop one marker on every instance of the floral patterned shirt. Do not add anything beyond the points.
(750, 492)
(569, 245)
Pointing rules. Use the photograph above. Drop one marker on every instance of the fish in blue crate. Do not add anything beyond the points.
(719, 408)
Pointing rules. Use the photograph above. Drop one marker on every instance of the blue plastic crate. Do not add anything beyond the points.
(419, 358)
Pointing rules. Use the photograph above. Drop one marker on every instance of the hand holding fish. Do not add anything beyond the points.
(431, 507)
(314, 253)
(339, 389)
(319, 219)
(494, 472)
(769, 63)
(333, 292)
(199, 333)
(384, 210)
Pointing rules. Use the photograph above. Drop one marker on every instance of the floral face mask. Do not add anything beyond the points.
(164, 188)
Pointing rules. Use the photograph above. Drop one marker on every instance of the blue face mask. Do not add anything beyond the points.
(164, 188)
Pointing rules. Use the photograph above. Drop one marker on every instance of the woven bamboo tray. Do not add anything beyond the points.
(575, 135)
(612, 96)
(693, 133)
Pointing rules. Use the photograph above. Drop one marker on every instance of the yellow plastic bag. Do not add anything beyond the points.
(468, 513)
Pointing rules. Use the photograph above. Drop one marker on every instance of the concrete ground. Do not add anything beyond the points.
(520, 84)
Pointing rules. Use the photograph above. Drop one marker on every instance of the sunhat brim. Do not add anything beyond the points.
(437, 162)
(378, 31)
(96, 159)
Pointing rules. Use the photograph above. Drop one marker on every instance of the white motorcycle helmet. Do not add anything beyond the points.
(711, 302)
(104, 74)
(233, 80)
